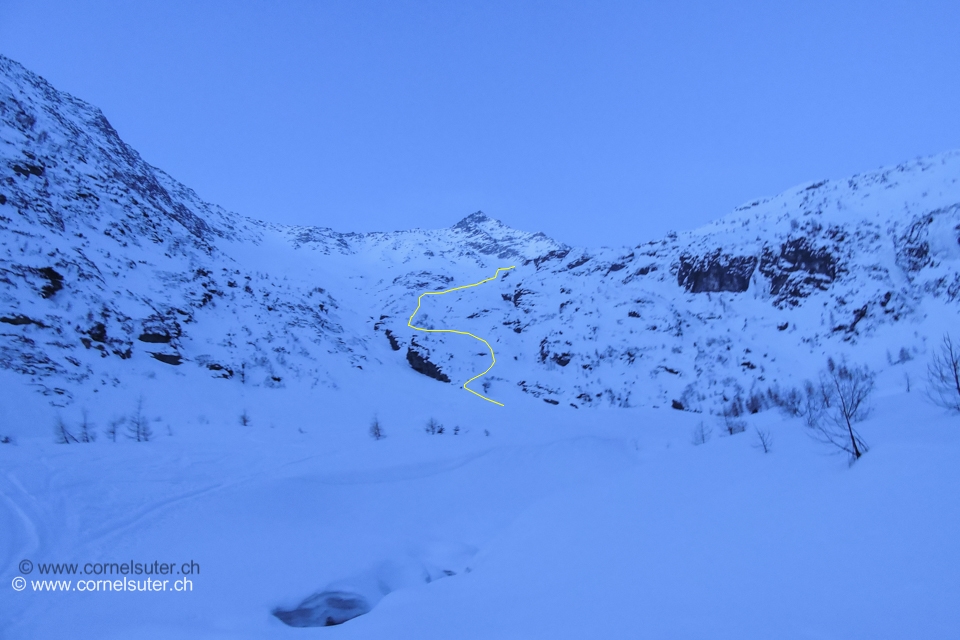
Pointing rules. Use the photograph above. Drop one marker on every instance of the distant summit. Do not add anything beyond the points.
(489, 236)
(475, 219)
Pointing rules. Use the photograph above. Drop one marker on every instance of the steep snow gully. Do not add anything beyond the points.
(493, 357)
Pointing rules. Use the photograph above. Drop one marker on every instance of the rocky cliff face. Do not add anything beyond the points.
(109, 266)
(715, 272)
(799, 269)
(107, 259)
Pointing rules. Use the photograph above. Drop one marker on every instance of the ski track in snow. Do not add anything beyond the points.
(22, 533)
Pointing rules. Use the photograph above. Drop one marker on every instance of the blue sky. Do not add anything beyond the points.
(599, 123)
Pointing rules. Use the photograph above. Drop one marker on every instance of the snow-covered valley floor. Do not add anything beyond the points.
(558, 524)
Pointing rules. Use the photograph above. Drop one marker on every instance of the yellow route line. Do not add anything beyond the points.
(463, 333)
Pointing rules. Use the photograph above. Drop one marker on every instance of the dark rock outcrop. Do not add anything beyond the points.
(797, 270)
(715, 272)
(913, 250)
(20, 319)
(154, 338)
(559, 254)
(421, 364)
(54, 281)
(160, 329)
(393, 340)
(168, 358)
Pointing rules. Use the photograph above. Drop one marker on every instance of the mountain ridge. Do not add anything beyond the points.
(111, 266)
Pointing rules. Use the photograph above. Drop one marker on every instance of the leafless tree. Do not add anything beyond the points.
(812, 406)
(764, 440)
(838, 403)
(139, 427)
(86, 429)
(943, 376)
(245, 418)
(433, 427)
(111, 430)
(754, 403)
(376, 429)
(701, 434)
(789, 401)
(733, 425)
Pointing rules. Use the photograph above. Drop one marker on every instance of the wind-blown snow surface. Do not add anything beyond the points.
(580, 509)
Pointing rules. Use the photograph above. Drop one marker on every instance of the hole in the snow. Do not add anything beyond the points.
(345, 599)
(324, 609)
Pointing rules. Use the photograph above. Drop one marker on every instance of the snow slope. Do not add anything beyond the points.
(567, 524)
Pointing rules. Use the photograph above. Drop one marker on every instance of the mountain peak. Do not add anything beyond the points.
(489, 236)
(475, 219)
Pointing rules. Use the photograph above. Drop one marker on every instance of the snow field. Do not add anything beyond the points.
(561, 523)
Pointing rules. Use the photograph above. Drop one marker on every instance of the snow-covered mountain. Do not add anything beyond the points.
(110, 267)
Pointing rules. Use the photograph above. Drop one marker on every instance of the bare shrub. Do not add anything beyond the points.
(376, 429)
(943, 376)
(836, 404)
(735, 407)
(732, 425)
(433, 427)
(812, 405)
(764, 441)
(112, 426)
(61, 432)
(245, 418)
(789, 402)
